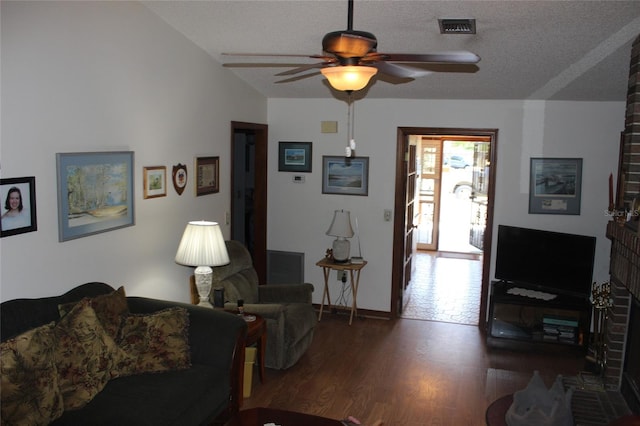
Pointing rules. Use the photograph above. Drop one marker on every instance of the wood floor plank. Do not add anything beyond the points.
(403, 372)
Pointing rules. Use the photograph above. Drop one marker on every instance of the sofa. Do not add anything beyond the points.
(286, 308)
(170, 363)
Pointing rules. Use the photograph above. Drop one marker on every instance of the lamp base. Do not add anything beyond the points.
(341, 250)
(203, 275)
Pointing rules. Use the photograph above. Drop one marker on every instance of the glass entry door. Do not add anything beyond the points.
(429, 175)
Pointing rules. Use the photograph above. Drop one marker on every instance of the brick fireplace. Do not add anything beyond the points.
(625, 284)
(624, 268)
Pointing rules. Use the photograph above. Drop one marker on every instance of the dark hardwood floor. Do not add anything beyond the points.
(403, 372)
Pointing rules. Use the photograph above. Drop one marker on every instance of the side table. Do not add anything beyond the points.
(354, 269)
(257, 333)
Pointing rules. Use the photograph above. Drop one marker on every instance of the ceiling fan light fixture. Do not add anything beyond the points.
(349, 77)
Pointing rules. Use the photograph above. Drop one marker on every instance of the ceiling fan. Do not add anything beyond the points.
(350, 59)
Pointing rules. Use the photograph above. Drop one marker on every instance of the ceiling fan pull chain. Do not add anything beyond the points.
(351, 143)
(352, 139)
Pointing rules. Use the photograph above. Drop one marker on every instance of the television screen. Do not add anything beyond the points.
(552, 260)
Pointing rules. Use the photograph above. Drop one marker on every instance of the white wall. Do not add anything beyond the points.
(105, 76)
(299, 214)
(88, 76)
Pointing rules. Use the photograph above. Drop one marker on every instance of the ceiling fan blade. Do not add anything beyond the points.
(400, 71)
(446, 68)
(260, 65)
(298, 77)
(284, 55)
(438, 58)
(306, 68)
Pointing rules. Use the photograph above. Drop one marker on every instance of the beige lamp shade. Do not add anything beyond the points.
(349, 77)
(341, 224)
(202, 244)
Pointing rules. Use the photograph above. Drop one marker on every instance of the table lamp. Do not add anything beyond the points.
(202, 245)
(341, 229)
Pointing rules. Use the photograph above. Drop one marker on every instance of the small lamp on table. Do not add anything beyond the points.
(341, 229)
(202, 245)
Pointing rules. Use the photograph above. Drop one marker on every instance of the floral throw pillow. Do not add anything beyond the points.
(110, 308)
(155, 342)
(29, 379)
(86, 356)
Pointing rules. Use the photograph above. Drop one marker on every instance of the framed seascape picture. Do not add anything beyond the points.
(555, 186)
(207, 175)
(154, 181)
(18, 197)
(345, 175)
(295, 157)
(95, 193)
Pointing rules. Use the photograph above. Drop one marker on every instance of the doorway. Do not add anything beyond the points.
(471, 154)
(249, 191)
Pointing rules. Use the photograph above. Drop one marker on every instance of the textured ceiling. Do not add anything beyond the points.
(549, 50)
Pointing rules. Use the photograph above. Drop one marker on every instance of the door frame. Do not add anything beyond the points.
(399, 213)
(260, 132)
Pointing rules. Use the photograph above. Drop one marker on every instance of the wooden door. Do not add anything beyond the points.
(250, 211)
(406, 217)
(479, 190)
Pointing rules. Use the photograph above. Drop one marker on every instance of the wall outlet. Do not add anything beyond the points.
(342, 276)
(387, 215)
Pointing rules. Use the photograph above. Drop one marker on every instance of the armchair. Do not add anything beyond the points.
(286, 308)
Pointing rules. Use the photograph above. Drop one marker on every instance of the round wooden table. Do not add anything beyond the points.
(495, 414)
(260, 416)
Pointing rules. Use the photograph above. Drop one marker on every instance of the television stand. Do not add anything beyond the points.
(525, 317)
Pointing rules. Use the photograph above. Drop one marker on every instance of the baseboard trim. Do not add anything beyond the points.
(345, 310)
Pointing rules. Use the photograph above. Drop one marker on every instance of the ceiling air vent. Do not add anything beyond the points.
(457, 26)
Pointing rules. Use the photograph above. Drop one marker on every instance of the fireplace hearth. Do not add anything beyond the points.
(622, 336)
(630, 385)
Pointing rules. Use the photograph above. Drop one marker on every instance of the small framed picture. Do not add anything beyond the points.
(295, 157)
(345, 175)
(207, 175)
(154, 181)
(555, 186)
(18, 206)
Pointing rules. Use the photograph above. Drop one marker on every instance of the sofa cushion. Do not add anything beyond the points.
(157, 342)
(188, 397)
(110, 309)
(86, 355)
(29, 378)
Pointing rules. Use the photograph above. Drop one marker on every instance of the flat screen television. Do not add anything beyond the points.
(554, 261)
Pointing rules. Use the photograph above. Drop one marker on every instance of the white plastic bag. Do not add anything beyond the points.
(536, 405)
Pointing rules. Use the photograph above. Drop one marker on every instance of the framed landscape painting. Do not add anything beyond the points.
(18, 197)
(345, 175)
(95, 193)
(295, 157)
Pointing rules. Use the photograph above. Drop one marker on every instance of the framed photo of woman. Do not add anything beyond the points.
(18, 197)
